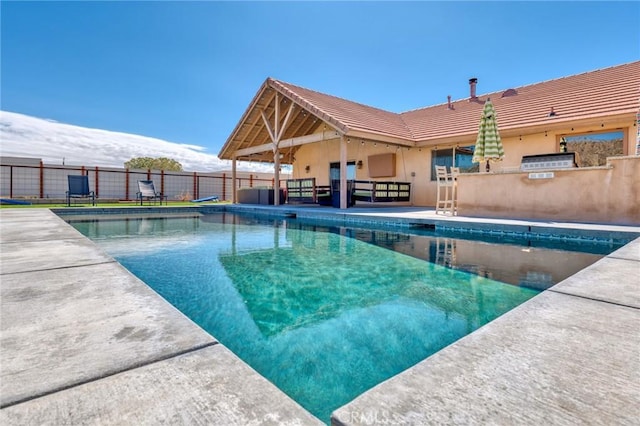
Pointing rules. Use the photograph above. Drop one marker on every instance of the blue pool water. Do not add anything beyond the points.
(327, 312)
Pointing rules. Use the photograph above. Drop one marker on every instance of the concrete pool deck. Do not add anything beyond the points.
(85, 342)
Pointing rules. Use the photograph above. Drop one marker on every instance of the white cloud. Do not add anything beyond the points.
(53, 142)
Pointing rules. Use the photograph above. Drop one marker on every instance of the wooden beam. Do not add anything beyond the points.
(286, 121)
(276, 121)
(268, 126)
(376, 137)
(268, 97)
(288, 143)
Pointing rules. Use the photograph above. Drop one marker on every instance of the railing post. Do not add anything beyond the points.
(251, 181)
(41, 179)
(97, 183)
(195, 185)
(162, 182)
(10, 181)
(148, 174)
(126, 184)
(224, 186)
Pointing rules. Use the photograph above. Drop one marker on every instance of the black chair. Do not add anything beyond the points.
(147, 191)
(79, 188)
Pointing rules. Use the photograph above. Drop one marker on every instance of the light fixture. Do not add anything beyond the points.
(362, 142)
(348, 140)
(307, 168)
(359, 164)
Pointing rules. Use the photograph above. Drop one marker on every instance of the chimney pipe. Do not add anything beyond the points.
(449, 105)
(472, 87)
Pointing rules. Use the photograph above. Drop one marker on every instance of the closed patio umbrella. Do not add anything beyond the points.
(488, 143)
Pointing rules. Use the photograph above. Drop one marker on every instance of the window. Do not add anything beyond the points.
(453, 157)
(594, 148)
(334, 171)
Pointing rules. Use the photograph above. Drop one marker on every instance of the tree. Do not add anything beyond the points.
(161, 163)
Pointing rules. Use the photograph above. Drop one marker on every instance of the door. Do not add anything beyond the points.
(334, 177)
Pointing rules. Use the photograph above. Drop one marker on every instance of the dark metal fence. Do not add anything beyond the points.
(50, 182)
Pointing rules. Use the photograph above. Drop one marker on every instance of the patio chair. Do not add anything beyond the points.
(445, 191)
(147, 191)
(79, 188)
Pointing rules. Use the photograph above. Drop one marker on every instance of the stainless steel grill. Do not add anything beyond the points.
(560, 160)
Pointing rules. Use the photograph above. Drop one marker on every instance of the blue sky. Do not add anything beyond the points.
(186, 71)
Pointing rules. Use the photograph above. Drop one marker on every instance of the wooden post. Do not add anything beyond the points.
(276, 177)
(343, 173)
(234, 176)
(275, 133)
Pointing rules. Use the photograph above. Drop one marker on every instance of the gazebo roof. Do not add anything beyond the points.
(590, 96)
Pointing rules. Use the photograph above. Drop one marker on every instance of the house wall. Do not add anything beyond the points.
(608, 194)
(318, 156)
(504, 174)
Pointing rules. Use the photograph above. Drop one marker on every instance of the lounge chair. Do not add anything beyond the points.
(202, 200)
(79, 188)
(147, 191)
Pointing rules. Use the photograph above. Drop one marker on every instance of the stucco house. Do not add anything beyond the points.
(330, 140)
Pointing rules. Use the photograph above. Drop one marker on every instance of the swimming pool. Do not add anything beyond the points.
(326, 312)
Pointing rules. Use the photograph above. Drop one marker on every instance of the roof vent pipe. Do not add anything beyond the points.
(472, 87)
(449, 104)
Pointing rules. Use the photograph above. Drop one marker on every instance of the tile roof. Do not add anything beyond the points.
(607, 92)
(601, 93)
(347, 114)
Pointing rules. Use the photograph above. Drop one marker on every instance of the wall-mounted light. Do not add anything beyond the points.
(307, 168)
(359, 163)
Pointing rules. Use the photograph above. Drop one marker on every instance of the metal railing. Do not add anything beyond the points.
(42, 181)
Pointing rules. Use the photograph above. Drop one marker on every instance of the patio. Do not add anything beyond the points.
(83, 341)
